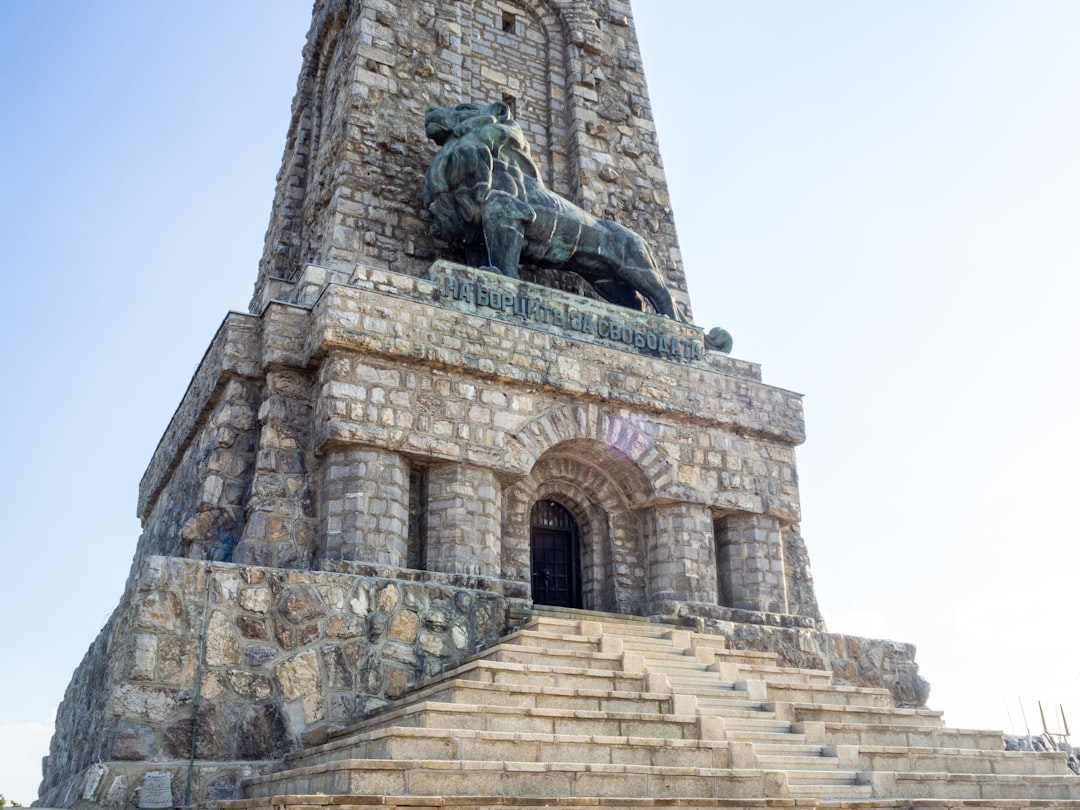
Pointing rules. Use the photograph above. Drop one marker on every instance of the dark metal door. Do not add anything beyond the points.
(556, 577)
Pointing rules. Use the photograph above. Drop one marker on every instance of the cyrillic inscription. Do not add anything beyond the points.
(563, 316)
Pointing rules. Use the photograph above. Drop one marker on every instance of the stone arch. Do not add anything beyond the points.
(623, 433)
(603, 490)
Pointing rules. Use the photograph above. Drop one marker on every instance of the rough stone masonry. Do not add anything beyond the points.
(345, 501)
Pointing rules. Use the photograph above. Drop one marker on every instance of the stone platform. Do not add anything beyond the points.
(258, 664)
(586, 711)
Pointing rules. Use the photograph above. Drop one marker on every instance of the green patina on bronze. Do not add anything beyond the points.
(719, 340)
(485, 192)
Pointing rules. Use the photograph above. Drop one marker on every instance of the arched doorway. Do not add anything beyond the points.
(555, 557)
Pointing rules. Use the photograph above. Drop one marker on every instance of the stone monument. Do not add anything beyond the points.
(449, 405)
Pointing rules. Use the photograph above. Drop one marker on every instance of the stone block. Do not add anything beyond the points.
(131, 741)
(372, 782)
(627, 784)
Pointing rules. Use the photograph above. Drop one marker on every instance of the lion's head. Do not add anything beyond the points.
(443, 123)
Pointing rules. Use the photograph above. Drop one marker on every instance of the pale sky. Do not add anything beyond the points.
(879, 200)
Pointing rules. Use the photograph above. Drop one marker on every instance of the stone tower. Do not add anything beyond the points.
(393, 450)
(349, 187)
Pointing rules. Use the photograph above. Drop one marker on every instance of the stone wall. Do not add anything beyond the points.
(255, 663)
(193, 495)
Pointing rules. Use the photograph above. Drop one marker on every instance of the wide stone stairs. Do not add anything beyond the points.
(586, 709)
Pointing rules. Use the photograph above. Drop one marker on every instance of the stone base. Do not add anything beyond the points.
(576, 708)
(273, 661)
(267, 660)
(148, 785)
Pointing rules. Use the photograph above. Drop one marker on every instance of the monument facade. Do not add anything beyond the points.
(428, 422)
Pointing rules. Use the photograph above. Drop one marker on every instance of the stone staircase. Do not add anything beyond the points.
(577, 709)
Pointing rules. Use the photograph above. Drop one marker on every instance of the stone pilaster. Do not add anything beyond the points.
(365, 514)
(280, 526)
(750, 559)
(679, 545)
(463, 517)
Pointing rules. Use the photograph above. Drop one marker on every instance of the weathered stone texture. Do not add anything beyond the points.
(193, 494)
(338, 646)
(463, 516)
(750, 558)
(349, 188)
(365, 511)
(802, 599)
(280, 529)
(681, 554)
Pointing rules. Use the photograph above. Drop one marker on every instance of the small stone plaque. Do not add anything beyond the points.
(156, 793)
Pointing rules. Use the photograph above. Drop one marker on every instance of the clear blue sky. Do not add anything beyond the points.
(879, 200)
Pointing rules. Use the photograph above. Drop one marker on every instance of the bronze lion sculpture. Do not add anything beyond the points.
(485, 192)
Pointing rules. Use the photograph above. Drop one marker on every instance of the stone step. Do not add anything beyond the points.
(786, 749)
(961, 760)
(473, 692)
(762, 736)
(794, 760)
(912, 736)
(357, 802)
(719, 694)
(719, 691)
(515, 779)
(772, 675)
(703, 678)
(976, 786)
(676, 664)
(715, 644)
(763, 729)
(620, 625)
(430, 714)
(719, 643)
(650, 635)
(831, 695)
(545, 640)
(738, 713)
(461, 745)
(889, 716)
(640, 628)
(815, 776)
(847, 796)
(694, 681)
(573, 659)
(651, 649)
(654, 657)
(749, 661)
(558, 713)
(647, 645)
(539, 676)
(721, 706)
